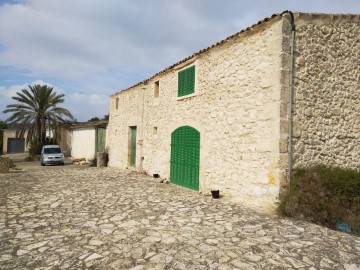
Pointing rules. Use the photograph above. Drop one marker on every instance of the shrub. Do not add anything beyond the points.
(30, 158)
(93, 162)
(324, 195)
(11, 164)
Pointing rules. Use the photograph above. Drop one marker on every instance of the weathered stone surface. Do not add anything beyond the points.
(36, 245)
(95, 242)
(152, 227)
(235, 108)
(4, 164)
(101, 159)
(240, 107)
(326, 85)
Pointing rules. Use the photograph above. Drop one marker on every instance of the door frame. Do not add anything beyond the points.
(186, 166)
(97, 138)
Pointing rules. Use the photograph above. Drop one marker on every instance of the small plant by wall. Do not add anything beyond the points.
(324, 195)
(93, 161)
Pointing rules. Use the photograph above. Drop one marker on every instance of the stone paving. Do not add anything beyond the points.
(104, 218)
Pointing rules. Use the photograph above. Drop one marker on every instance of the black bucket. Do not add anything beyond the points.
(215, 194)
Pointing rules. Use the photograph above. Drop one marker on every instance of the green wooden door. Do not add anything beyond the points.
(100, 139)
(185, 157)
(132, 147)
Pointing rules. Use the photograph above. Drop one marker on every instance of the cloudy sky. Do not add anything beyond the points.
(89, 49)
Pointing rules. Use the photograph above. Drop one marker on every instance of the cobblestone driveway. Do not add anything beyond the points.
(76, 218)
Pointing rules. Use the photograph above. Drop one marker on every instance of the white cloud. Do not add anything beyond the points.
(6, 93)
(11, 91)
(86, 106)
(84, 46)
(88, 99)
(82, 106)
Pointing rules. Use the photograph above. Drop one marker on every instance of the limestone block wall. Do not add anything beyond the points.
(236, 109)
(327, 90)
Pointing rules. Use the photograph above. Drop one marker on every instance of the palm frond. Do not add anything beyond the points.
(37, 111)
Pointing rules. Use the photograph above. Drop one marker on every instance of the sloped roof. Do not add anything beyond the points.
(80, 125)
(205, 50)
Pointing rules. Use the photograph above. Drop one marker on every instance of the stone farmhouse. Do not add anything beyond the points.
(239, 115)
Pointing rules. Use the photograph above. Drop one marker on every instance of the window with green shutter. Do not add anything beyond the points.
(186, 81)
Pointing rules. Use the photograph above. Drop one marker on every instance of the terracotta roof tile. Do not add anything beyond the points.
(202, 51)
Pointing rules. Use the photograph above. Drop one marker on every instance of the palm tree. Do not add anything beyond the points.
(37, 113)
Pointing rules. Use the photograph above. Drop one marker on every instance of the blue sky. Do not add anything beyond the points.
(90, 49)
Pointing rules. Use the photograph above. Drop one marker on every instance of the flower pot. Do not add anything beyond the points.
(215, 194)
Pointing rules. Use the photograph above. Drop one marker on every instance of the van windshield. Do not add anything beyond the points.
(52, 150)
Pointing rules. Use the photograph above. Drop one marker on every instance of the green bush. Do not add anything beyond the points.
(11, 164)
(93, 162)
(324, 195)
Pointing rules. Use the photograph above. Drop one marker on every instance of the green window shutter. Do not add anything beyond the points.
(186, 81)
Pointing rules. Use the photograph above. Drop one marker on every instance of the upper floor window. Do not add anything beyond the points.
(156, 89)
(117, 103)
(186, 81)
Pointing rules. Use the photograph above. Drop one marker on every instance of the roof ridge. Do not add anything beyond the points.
(266, 19)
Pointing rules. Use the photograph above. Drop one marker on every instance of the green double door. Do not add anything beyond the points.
(185, 157)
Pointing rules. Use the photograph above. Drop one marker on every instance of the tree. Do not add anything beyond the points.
(3, 125)
(37, 113)
(94, 119)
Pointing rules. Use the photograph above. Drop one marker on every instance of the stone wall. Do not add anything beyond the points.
(327, 90)
(236, 109)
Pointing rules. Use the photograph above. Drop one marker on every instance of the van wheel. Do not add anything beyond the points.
(42, 164)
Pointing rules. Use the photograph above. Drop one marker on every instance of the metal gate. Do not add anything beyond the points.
(15, 145)
(185, 157)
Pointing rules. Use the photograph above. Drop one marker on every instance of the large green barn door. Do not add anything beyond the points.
(100, 139)
(185, 157)
(132, 147)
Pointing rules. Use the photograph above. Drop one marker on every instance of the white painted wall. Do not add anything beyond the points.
(83, 143)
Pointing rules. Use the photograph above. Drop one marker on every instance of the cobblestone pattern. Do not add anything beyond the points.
(327, 96)
(109, 219)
